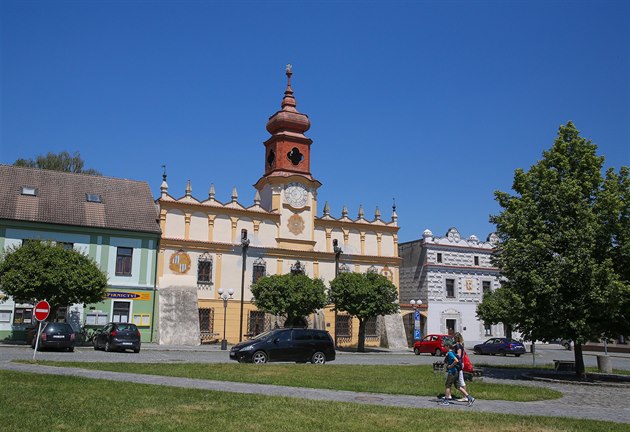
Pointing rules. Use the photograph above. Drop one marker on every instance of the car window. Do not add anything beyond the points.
(320, 336)
(426, 339)
(126, 327)
(283, 336)
(59, 327)
(434, 338)
(302, 335)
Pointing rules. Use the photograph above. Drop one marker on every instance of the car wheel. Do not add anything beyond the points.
(108, 348)
(71, 349)
(136, 350)
(477, 351)
(517, 355)
(438, 352)
(503, 353)
(259, 357)
(416, 351)
(318, 358)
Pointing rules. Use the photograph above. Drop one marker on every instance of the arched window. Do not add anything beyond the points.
(260, 270)
(343, 268)
(204, 270)
(372, 270)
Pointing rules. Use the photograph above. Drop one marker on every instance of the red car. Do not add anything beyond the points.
(432, 344)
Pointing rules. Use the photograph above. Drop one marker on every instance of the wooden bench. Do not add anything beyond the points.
(564, 365)
(209, 337)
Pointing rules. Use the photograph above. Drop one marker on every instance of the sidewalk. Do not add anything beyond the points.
(579, 401)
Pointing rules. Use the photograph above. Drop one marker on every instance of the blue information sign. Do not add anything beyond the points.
(416, 314)
(416, 334)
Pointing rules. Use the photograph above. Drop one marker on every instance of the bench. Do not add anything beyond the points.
(209, 337)
(564, 365)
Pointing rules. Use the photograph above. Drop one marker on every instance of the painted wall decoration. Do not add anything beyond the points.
(180, 262)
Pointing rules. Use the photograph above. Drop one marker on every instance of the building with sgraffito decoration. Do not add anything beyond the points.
(287, 229)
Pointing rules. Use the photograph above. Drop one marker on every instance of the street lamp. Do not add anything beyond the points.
(244, 246)
(225, 298)
(338, 251)
(417, 331)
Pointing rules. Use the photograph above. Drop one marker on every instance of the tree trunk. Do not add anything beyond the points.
(361, 344)
(579, 361)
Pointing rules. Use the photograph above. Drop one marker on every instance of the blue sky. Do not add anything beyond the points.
(433, 103)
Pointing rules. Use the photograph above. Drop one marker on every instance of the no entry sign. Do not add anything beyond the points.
(42, 309)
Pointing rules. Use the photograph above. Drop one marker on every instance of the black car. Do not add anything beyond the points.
(286, 345)
(118, 336)
(55, 335)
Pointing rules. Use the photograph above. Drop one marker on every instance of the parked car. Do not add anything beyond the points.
(432, 344)
(501, 346)
(286, 345)
(118, 336)
(55, 335)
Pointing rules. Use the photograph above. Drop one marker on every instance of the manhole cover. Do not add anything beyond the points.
(368, 398)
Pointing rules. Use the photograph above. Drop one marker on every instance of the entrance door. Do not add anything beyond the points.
(450, 326)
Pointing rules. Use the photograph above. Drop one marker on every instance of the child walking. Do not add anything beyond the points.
(453, 366)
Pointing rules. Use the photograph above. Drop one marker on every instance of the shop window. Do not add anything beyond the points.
(5, 315)
(23, 316)
(123, 261)
(121, 311)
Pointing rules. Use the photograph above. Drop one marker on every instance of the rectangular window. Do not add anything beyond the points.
(256, 323)
(204, 272)
(486, 287)
(123, 261)
(61, 315)
(476, 260)
(439, 257)
(23, 316)
(371, 328)
(121, 312)
(93, 198)
(27, 190)
(66, 245)
(260, 270)
(5, 316)
(450, 288)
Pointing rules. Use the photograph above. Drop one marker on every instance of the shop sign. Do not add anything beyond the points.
(121, 295)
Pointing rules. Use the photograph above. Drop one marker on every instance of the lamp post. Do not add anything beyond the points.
(225, 297)
(338, 251)
(244, 246)
(417, 331)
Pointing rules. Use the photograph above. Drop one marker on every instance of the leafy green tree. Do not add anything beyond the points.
(291, 296)
(363, 295)
(58, 162)
(563, 248)
(40, 270)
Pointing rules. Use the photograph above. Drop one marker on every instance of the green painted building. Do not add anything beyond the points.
(112, 220)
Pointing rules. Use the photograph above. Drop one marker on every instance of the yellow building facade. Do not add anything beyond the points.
(202, 247)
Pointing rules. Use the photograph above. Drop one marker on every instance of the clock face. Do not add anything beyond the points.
(296, 195)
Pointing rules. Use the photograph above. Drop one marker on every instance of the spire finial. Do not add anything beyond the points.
(394, 205)
(344, 212)
(288, 102)
(211, 192)
(289, 73)
(361, 213)
(257, 198)
(188, 189)
(164, 185)
(234, 194)
(377, 214)
(326, 209)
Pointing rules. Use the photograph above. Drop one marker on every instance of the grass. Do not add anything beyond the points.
(407, 380)
(56, 403)
(547, 366)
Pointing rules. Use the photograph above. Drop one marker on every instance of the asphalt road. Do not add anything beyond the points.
(152, 353)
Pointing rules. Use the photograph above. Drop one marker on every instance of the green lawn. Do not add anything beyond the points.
(55, 403)
(408, 380)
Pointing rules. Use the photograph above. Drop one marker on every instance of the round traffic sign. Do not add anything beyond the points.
(42, 309)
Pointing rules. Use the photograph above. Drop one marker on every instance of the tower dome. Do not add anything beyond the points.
(288, 119)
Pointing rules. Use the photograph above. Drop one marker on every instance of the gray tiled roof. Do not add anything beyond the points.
(61, 199)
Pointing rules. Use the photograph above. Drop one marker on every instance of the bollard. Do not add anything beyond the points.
(603, 364)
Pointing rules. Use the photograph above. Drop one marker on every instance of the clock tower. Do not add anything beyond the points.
(287, 187)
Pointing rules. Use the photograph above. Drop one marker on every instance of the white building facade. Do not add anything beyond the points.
(450, 275)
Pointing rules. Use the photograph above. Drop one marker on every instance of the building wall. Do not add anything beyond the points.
(100, 245)
(426, 266)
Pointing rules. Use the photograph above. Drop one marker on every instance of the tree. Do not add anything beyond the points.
(40, 270)
(291, 296)
(363, 295)
(563, 247)
(58, 162)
